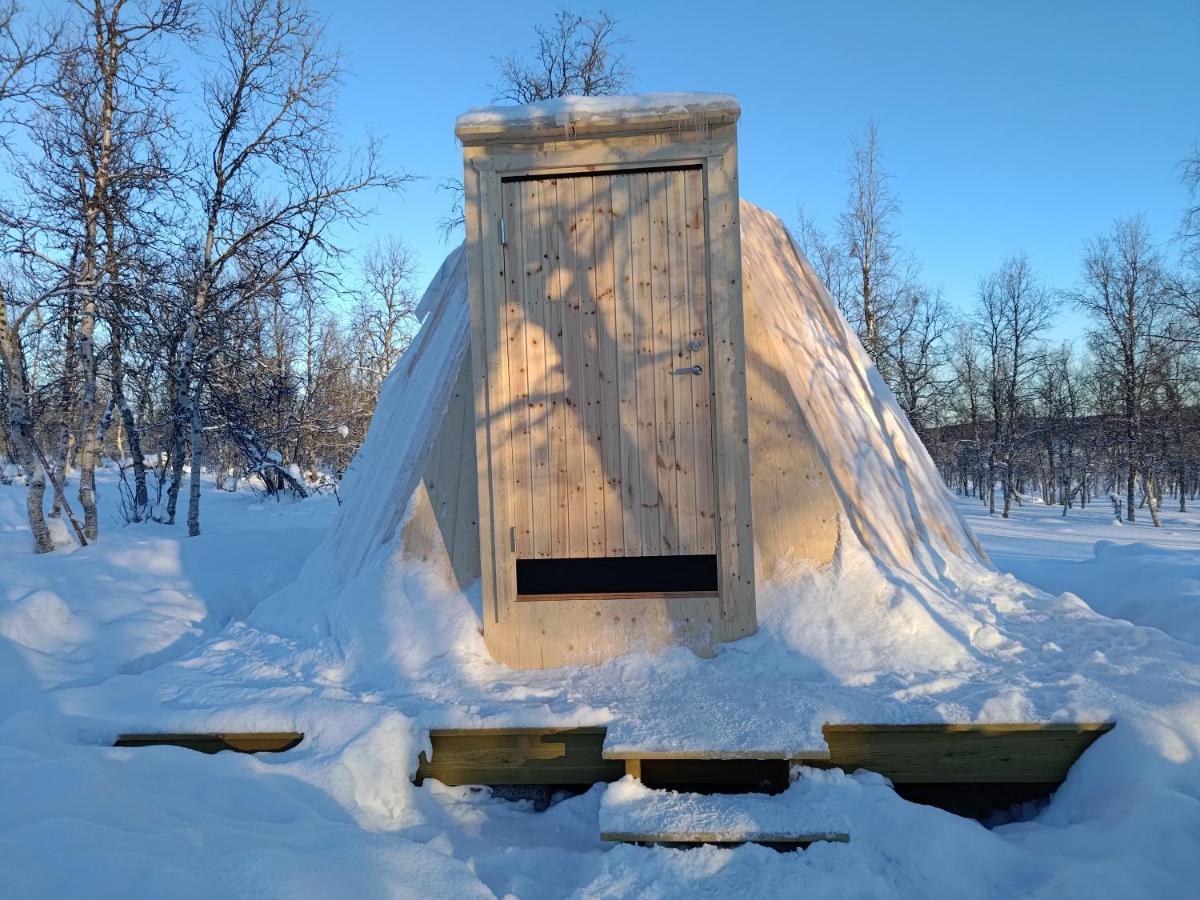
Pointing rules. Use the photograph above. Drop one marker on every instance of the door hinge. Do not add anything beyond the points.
(502, 240)
(512, 538)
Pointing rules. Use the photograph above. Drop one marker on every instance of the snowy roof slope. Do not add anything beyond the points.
(386, 470)
(891, 493)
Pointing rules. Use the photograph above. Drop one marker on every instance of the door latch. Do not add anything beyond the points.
(690, 370)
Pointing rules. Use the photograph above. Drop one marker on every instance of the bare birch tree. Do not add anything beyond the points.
(827, 257)
(916, 355)
(868, 231)
(23, 50)
(574, 54)
(385, 313)
(1014, 310)
(20, 414)
(270, 187)
(1123, 290)
(94, 173)
(967, 401)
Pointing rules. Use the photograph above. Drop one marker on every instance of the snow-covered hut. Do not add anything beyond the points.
(623, 372)
(631, 396)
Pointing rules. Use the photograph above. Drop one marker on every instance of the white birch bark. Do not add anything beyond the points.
(197, 440)
(19, 435)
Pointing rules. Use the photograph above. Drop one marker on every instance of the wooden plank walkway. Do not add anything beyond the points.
(1039, 753)
(519, 756)
(915, 754)
(922, 754)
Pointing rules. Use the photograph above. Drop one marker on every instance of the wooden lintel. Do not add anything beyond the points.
(542, 126)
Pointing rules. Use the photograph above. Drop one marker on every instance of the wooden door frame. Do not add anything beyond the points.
(715, 152)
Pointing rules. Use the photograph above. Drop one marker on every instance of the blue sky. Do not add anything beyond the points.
(1007, 126)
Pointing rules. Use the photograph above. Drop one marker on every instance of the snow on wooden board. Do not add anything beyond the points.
(565, 111)
(806, 811)
(757, 719)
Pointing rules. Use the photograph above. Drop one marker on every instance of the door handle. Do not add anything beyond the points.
(690, 370)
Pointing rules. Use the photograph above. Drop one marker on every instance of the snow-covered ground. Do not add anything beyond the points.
(144, 595)
(1132, 571)
(148, 630)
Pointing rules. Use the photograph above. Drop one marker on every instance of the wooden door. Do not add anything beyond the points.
(605, 326)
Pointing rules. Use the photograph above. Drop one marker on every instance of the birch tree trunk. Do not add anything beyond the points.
(182, 413)
(141, 498)
(1006, 475)
(991, 485)
(89, 444)
(34, 498)
(1130, 491)
(107, 50)
(197, 440)
(19, 435)
(66, 398)
(1150, 487)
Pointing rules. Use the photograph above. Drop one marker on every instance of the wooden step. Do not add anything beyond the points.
(933, 753)
(941, 753)
(806, 812)
(215, 742)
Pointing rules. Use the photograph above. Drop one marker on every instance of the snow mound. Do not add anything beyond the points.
(1144, 584)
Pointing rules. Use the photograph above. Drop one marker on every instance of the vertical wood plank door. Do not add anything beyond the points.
(606, 336)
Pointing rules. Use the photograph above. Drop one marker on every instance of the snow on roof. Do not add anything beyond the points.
(599, 113)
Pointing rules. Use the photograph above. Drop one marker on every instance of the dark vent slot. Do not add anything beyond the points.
(623, 576)
(559, 176)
